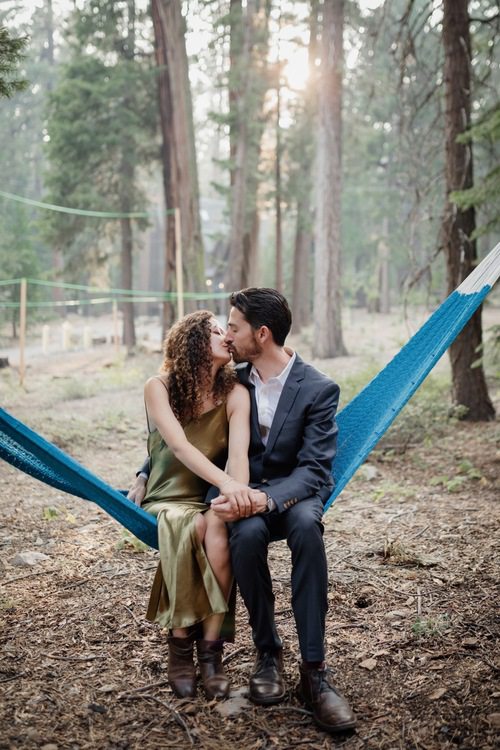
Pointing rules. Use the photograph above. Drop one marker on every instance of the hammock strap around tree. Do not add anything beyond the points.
(361, 423)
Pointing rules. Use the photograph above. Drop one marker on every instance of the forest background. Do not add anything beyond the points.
(351, 188)
(345, 153)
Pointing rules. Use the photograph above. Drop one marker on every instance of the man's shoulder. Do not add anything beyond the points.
(311, 373)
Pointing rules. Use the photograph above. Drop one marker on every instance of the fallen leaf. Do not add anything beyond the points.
(437, 694)
(368, 664)
(470, 642)
(232, 706)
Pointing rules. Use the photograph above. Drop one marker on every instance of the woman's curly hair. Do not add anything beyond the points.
(188, 366)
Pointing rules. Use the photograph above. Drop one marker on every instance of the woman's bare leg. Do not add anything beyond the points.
(218, 555)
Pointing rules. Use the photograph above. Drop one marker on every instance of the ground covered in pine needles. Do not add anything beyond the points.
(412, 545)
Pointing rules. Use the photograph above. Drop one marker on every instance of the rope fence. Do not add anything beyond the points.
(19, 303)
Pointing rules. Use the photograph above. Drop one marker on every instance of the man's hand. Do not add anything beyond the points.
(228, 509)
(138, 490)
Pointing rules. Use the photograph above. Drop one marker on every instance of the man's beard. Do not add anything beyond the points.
(246, 354)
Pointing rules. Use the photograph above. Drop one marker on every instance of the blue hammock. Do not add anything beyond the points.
(361, 423)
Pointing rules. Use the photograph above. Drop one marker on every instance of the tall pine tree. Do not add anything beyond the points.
(102, 119)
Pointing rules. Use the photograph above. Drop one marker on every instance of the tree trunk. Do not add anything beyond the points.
(301, 297)
(180, 174)
(57, 256)
(384, 254)
(126, 201)
(301, 266)
(469, 384)
(328, 341)
(248, 90)
(126, 281)
(279, 233)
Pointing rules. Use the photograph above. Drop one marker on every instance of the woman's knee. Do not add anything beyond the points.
(216, 528)
(200, 527)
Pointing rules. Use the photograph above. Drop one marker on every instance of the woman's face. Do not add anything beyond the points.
(220, 351)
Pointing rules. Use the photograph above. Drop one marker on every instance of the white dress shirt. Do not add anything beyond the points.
(268, 394)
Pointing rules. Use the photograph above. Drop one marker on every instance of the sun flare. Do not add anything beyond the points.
(296, 68)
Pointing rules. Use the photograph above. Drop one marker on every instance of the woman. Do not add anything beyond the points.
(198, 418)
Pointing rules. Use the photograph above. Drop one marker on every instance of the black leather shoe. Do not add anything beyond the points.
(330, 709)
(266, 682)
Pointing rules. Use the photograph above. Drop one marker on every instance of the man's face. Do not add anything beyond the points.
(241, 338)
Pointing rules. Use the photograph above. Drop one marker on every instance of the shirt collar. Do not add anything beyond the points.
(255, 378)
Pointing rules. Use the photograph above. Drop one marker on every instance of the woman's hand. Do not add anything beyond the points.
(228, 508)
(239, 495)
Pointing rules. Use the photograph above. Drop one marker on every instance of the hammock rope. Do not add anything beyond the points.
(361, 423)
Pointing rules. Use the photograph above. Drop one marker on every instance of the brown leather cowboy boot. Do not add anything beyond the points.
(181, 671)
(215, 682)
(330, 709)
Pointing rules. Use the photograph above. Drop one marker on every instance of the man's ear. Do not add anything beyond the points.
(264, 334)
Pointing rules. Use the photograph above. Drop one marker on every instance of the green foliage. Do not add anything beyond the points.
(18, 258)
(426, 415)
(101, 122)
(50, 513)
(431, 627)
(389, 134)
(465, 472)
(75, 390)
(486, 192)
(11, 54)
(22, 251)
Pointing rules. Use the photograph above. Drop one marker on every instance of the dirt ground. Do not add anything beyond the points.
(412, 545)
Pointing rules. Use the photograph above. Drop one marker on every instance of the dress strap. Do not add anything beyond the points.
(156, 377)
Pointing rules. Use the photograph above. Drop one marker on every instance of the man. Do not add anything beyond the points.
(292, 446)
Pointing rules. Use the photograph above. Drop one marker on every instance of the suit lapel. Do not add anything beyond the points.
(243, 376)
(288, 396)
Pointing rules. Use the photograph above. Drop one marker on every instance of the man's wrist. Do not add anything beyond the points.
(143, 475)
(270, 503)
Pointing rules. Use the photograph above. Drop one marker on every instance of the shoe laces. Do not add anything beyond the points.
(267, 660)
(326, 680)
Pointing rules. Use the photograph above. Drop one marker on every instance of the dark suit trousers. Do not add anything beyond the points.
(302, 528)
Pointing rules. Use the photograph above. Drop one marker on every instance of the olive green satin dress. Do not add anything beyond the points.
(185, 590)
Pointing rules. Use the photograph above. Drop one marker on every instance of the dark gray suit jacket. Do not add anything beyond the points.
(296, 462)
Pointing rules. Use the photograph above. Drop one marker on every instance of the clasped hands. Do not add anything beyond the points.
(238, 501)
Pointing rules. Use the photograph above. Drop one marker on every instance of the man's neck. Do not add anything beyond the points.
(272, 362)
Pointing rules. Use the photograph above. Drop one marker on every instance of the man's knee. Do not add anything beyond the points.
(249, 534)
(305, 526)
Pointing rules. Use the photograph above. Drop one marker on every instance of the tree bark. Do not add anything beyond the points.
(301, 266)
(303, 247)
(126, 201)
(469, 384)
(279, 232)
(180, 174)
(328, 340)
(247, 100)
(129, 339)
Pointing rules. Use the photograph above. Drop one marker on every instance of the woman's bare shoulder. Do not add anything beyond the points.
(155, 382)
(238, 395)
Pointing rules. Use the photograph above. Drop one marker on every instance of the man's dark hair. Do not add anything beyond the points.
(264, 307)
